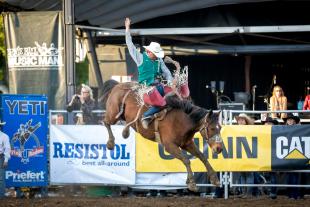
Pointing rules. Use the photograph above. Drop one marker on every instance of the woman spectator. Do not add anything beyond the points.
(278, 102)
(84, 102)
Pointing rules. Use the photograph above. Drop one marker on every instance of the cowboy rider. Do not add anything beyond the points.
(150, 69)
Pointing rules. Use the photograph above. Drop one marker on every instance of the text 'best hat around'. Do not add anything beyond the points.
(155, 48)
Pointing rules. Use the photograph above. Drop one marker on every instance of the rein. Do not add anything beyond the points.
(203, 129)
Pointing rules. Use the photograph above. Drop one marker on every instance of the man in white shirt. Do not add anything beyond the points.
(5, 150)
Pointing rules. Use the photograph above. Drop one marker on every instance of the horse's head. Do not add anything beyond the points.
(211, 131)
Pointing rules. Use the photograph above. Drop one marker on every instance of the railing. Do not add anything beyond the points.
(228, 119)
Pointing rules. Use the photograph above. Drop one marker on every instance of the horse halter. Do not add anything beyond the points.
(204, 129)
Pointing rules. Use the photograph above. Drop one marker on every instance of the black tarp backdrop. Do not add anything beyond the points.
(292, 72)
(203, 69)
(35, 52)
(291, 69)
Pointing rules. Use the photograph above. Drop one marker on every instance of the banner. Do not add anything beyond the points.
(290, 147)
(35, 54)
(246, 148)
(26, 125)
(78, 154)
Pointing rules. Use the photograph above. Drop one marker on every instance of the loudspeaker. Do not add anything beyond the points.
(232, 106)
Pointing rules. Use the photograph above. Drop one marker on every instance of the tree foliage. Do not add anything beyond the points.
(2, 50)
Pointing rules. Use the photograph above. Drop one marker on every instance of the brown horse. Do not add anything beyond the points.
(176, 129)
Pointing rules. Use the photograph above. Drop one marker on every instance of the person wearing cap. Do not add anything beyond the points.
(151, 68)
(294, 178)
(291, 119)
(243, 119)
(270, 121)
(245, 177)
(5, 150)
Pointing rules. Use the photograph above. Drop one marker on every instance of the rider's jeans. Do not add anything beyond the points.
(154, 109)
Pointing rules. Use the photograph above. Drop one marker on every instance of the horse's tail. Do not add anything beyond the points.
(196, 113)
(105, 91)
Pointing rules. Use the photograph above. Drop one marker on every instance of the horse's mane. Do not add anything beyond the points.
(195, 113)
(106, 90)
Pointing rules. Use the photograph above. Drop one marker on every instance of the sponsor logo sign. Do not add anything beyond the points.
(78, 154)
(28, 137)
(246, 148)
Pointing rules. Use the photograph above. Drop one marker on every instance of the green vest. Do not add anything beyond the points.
(148, 70)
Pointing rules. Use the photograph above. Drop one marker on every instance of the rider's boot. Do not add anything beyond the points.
(145, 121)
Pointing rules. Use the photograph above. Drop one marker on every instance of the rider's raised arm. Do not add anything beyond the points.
(134, 53)
(166, 72)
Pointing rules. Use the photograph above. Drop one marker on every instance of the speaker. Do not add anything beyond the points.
(232, 106)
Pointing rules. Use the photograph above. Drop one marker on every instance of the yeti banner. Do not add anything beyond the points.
(26, 125)
(35, 54)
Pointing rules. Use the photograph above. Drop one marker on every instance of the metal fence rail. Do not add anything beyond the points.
(226, 178)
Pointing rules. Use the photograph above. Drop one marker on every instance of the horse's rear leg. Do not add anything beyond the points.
(177, 153)
(125, 132)
(111, 141)
(109, 119)
(192, 148)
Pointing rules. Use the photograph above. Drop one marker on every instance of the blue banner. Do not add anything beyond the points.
(26, 125)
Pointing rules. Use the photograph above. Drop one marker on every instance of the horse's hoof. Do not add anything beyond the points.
(110, 144)
(125, 133)
(214, 180)
(192, 186)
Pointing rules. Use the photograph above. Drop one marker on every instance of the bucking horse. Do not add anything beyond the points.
(174, 128)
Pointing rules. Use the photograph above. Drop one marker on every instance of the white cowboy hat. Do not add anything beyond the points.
(247, 119)
(155, 48)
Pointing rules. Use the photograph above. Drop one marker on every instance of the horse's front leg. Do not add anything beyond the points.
(192, 148)
(111, 141)
(177, 153)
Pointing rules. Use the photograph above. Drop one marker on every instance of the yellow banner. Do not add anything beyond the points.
(246, 148)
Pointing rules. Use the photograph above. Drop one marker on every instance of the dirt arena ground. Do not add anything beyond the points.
(152, 202)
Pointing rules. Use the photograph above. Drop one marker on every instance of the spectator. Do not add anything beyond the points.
(272, 175)
(245, 177)
(293, 178)
(84, 102)
(278, 102)
(291, 119)
(244, 119)
(307, 103)
(5, 150)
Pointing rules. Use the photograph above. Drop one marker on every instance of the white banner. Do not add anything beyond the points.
(160, 181)
(78, 154)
